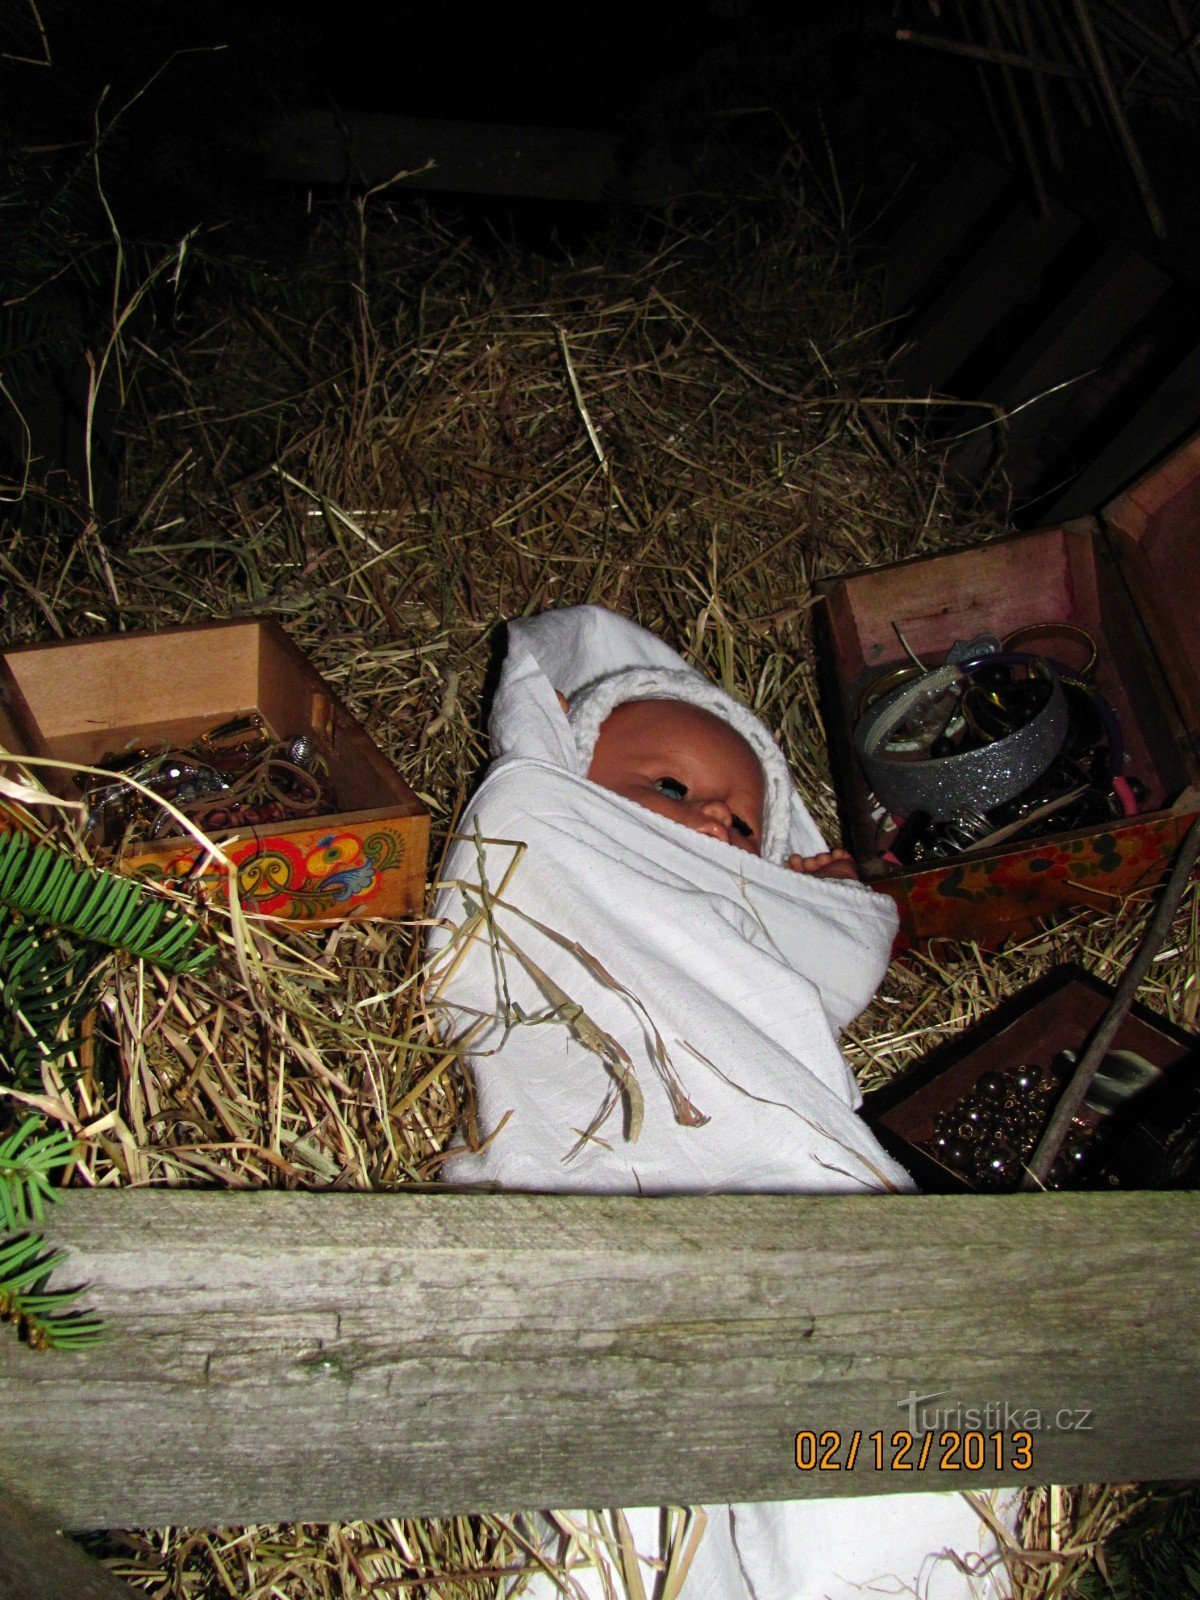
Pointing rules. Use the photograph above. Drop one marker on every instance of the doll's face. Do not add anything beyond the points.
(684, 763)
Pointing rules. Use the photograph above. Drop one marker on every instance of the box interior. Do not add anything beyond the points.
(1062, 1021)
(1057, 575)
(80, 701)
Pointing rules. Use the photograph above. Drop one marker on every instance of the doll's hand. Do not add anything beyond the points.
(829, 864)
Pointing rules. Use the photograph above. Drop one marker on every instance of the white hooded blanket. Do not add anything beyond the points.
(654, 1011)
(621, 967)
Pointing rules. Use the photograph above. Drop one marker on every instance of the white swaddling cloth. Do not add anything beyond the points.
(725, 976)
(623, 975)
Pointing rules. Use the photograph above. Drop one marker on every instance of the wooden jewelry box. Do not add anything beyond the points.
(79, 701)
(1158, 1132)
(1132, 583)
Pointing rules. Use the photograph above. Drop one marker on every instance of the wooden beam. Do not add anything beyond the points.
(37, 1563)
(1165, 420)
(313, 1357)
(1075, 339)
(360, 149)
(935, 226)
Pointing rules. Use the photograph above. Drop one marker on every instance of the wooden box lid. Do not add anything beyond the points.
(1154, 529)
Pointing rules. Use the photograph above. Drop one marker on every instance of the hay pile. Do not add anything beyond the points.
(391, 447)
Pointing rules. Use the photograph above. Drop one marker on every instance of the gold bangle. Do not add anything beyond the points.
(1057, 630)
(890, 678)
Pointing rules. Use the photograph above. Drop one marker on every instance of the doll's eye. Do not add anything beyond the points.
(744, 828)
(672, 788)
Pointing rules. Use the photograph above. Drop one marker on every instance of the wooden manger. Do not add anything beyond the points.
(317, 1356)
(342, 1356)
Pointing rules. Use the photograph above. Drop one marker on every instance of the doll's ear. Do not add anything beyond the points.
(563, 702)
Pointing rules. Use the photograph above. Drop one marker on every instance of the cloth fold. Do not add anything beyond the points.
(595, 940)
(921, 1546)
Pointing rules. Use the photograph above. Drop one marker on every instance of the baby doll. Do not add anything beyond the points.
(651, 951)
(685, 763)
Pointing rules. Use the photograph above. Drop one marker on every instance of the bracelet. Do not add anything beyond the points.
(1058, 630)
(891, 678)
(980, 778)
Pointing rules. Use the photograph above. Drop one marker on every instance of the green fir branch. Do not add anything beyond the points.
(47, 1319)
(54, 916)
(47, 886)
(26, 1164)
(46, 989)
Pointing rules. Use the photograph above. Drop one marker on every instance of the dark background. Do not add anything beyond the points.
(157, 119)
(200, 82)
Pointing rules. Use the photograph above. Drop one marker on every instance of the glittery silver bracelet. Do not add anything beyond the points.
(980, 778)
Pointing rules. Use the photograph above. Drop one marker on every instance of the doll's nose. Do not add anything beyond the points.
(714, 818)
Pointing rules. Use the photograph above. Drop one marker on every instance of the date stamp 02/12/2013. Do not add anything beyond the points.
(951, 1450)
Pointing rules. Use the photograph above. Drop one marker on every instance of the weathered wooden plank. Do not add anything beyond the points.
(1076, 338)
(311, 1357)
(36, 1563)
(937, 224)
(1003, 271)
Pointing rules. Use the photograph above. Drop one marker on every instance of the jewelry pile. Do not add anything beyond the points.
(1139, 1127)
(996, 744)
(236, 775)
(992, 1131)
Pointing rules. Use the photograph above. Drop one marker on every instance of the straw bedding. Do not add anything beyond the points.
(390, 448)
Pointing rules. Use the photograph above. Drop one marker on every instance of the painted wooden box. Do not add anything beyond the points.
(77, 701)
(1131, 580)
(1151, 1139)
